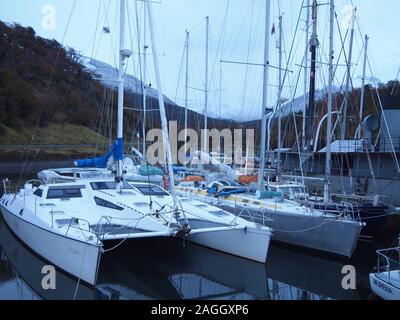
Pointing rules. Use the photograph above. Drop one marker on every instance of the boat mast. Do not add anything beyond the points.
(314, 43)
(327, 187)
(206, 88)
(186, 89)
(363, 85)
(280, 98)
(348, 77)
(305, 74)
(145, 47)
(123, 55)
(261, 186)
(164, 122)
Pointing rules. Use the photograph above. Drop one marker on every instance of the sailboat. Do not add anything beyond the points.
(358, 160)
(69, 222)
(293, 223)
(385, 280)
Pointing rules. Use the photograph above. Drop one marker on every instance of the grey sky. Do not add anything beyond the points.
(229, 40)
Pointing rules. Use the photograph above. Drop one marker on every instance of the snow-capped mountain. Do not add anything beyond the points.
(108, 75)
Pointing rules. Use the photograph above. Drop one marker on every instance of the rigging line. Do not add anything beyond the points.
(45, 98)
(197, 25)
(102, 21)
(394, 155)
(240, 28)
(131, 38)
(219, 45)
(343, 49)
(248, 56)
(97, 26)
(180, 71)
(291, 106)
(290, 52)
(110, 37)
(395, 82)
(232, 121)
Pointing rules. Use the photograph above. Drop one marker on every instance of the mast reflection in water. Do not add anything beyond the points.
(165, 269)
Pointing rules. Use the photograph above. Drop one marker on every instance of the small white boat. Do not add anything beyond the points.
(385, 282)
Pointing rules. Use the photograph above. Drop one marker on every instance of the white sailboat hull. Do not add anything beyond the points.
(249, 243)
(76, 258)
(317, 232)
(382, 287)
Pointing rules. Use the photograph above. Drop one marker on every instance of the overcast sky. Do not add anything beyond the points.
(236, 33)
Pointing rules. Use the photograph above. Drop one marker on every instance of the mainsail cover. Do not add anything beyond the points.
(101, 162)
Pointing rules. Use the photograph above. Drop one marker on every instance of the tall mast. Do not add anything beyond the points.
(327, 187)
(307, 34)
(164, 122)
(348, 77)
(206, 88)
(261, 186)
(363, 85)
(145, 47)
(123, 55)
(314, 43)
(280, 98)
(186, 89)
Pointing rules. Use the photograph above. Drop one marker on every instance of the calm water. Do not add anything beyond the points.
(165, 269)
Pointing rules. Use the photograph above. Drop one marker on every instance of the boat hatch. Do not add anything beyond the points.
(201, 206)
(219, 213)
(57, 213)
(68, 192)
(107, 204)
(108, 185)
(51, 205)
(38, 193)
(67, 222)
(141, 204)
(152, 191)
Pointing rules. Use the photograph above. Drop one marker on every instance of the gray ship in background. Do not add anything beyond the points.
(366, 167)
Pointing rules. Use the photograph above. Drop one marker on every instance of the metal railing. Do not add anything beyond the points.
(388, 263)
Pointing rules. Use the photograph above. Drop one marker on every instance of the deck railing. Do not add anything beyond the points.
(389, 262)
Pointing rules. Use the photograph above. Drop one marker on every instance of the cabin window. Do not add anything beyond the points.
(64, 193)
(107, 204)
(38, 193)
(108, 185)
(152, 191)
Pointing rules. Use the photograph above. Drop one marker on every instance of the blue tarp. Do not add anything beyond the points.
(117, 153)
(100, 162)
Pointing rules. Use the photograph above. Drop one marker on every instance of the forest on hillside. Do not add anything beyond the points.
(43, 83)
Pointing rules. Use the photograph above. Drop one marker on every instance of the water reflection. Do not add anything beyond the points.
(165, 269)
